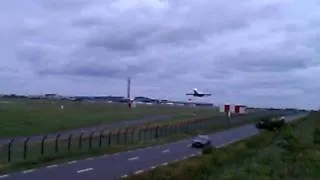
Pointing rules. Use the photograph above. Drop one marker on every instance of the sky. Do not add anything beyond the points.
(258, 53)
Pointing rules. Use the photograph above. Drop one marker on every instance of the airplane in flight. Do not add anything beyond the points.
(197, 93)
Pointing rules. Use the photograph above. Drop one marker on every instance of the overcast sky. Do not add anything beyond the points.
(258, 53)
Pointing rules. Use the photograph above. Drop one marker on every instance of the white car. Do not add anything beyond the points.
(201, 141)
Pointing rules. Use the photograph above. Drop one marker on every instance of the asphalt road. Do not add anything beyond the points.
(114, 166)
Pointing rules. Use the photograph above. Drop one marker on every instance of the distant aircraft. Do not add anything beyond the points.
(197, 93)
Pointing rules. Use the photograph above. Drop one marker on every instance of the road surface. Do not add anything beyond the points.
(114, 166)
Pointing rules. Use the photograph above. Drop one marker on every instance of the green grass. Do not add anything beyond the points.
(291, 153)
(133, 141)
(29, 117)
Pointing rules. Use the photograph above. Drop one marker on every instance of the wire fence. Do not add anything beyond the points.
(17, 150)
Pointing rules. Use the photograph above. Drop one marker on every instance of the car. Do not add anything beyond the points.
(201, 141)
(271, 123)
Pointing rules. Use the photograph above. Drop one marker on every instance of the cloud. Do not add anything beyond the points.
(259, 53)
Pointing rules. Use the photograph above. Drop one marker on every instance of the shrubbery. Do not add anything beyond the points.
(316, 136)
(207, 150)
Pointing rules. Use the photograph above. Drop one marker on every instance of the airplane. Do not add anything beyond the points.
(197, 93)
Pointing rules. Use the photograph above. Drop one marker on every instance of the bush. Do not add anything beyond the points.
(207, 150)
(316, 136)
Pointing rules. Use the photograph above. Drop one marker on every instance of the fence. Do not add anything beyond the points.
(17, 150)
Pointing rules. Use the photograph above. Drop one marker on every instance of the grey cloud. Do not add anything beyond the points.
(254, 52)
(92, 70)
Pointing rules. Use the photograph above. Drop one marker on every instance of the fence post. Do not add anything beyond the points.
(170, 129)
(160, 131)
(156, 135)
(100, 138)
(144, 133)
(42, 143)
(10, 148)
(139, 134)
(25, 146)
(57, 143)
(228, 116)
(80, 140)
(69, 142)
(109, 137)
(149, 131)
(90, 139)
(125, 134)
(153, 131)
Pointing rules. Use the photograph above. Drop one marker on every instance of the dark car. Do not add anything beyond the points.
(271, 123)
(201, 141)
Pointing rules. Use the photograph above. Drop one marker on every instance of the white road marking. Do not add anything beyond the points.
(28, 171)
(71, 162)
(166, 150)
(133, 158)
(138, 172)
(124, 176)
(84, 170)
(89, 158)
(164, 164)
(4, 176)
(152, 167)
(52, 166)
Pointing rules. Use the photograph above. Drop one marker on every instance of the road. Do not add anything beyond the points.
(114, 166)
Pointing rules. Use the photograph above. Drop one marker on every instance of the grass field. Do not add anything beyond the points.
(29, 117)
(291, 153)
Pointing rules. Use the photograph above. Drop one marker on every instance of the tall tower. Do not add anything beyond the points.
(129, 91)
(128, 87)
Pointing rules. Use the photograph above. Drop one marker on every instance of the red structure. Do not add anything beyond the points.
(238, 109)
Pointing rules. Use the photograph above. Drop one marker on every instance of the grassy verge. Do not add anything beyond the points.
(77, 154)
(29, 117)
(291, 153)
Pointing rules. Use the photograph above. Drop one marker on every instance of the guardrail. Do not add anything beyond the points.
(17, 150)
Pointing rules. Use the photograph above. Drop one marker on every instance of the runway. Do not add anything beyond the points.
(114, 166)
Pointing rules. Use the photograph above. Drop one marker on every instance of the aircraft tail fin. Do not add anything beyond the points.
(195, 90)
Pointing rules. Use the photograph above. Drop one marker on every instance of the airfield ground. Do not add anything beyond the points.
(291, 153)
(29, 117)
